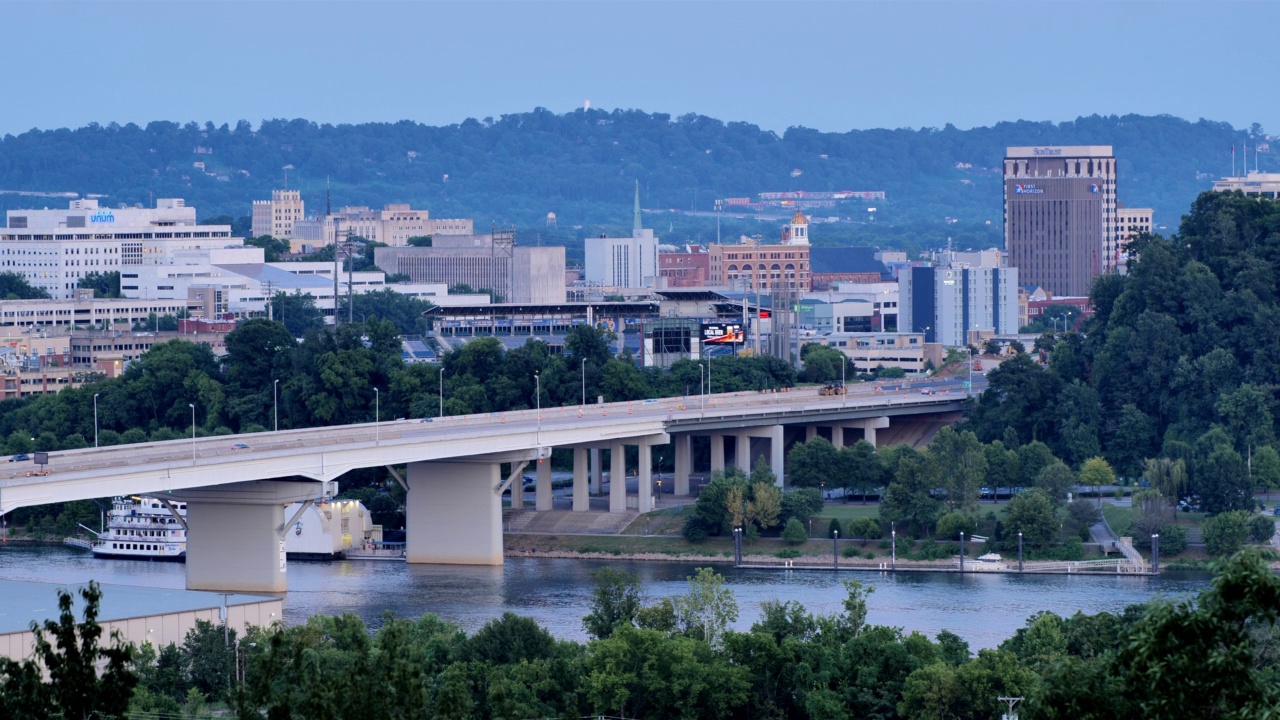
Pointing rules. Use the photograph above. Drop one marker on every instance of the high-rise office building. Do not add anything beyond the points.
(953, 302)
(275, 217)
(1060, 223)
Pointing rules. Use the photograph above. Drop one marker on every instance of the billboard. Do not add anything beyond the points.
(722, 334)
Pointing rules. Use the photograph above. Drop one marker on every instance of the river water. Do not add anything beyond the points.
(983, 609)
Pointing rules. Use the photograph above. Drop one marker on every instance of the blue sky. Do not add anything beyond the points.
(827, 65)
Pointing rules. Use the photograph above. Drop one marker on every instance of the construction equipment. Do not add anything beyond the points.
(832, 389)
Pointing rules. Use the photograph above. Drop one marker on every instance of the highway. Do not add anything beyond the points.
(325, 453)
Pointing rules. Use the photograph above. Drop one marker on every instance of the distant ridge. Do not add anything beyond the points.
(583, 165)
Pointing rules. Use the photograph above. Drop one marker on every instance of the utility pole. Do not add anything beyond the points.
(1011, 715)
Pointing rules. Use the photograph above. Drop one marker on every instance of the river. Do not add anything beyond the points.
(983, 609)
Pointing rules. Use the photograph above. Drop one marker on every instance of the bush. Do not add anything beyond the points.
(869, 555)
(1226, 532)
(834, 527)
(1261, 529)
(794, 533)
(953, 523)
(788, 553)
(1173, 540)
(851, 552)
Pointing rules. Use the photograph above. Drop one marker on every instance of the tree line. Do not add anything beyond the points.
(1207, 656)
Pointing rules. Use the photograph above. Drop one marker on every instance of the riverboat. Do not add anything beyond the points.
(142, 528)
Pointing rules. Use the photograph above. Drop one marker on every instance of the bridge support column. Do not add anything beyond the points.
(837, 436)
(618, 478)
(644, 479)
(810, 432)
(597, 472)
(542, 489)
(869, 427)
(683, 461)
(235, 540)
(580, 500)
(742, 452)
(453, 514)
(777, 453)
(717, 452)
(517, 493)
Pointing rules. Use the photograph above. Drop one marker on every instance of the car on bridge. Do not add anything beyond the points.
(20, 457)
(239, 446)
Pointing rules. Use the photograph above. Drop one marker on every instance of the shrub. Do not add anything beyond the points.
(834, 527)
(851, 552)
(794, 533)
(953, 523)
(1173, 540)
(1261, 529)
(869, 555)
(1226, 532)
(788, 553)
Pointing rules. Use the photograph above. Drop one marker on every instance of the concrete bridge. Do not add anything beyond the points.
(458, 468)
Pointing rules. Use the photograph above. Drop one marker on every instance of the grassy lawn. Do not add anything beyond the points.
(1118, 518)
(664, 521)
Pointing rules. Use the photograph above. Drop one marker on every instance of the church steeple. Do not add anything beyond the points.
(636, 224)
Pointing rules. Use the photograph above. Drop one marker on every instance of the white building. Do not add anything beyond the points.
(629, 262)
(53, 249)
(950, 304)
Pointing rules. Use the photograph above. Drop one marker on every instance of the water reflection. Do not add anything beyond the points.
(984, 609)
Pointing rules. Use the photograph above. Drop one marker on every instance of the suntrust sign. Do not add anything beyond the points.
(102, 216)
(1046, 151)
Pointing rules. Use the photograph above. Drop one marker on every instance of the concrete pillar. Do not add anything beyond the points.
(452, 514)
(597, 472)
(617, 477)
(683, 461)
(517, 491)
(235, 540)
(869, 427)
(542, 489)
(644, 478)
(742, 453)
(810, 432)
(777, 455)
(837, 436)
(580, 500)
(717, 452)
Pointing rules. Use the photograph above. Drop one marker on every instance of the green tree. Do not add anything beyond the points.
(708, 608)
(14, 286)
(1056, 480)
(794, 533)
(953, 523)
(1265, 467)
(615, 600)
(1032, 514)
(822, 364)
(419, 241)
(1034, 457)
(71, 675)
(1096, 472)
(960, 463)
(298, 312)
(814, 463)
(103, 284)
(272, 248)
(1224, 534)
(1261, 529)
(209, 656)
(1222, 480)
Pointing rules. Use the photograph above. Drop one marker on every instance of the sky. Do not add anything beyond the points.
(833, 66)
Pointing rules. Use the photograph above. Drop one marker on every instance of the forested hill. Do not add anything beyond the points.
(583, 165)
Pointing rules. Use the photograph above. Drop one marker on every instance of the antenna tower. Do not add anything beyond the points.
(504, 246)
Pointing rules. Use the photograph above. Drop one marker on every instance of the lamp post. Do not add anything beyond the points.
(441, 414)
(584, 382)
(844, 389)
(659, 486)
(95, 419)
(377, 417)
(193, 432)
(275, 404)
(537, 384)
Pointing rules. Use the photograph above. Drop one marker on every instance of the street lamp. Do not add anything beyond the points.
(275, 405)
(659, 488)
(441, 391)
(377, 416)
(95, 419)
(584, 382)
(537, 383)
(193, 432)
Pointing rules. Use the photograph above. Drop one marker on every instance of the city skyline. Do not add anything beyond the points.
(836, 66)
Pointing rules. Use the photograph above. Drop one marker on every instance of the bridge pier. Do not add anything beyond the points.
(617, 477)
(581, 501)
(869, 427)
(683, 461)
(235, 533)
(742, 451)
(717, 452)
(453, 514)
(543, 498)
(597, 472)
